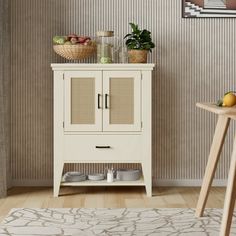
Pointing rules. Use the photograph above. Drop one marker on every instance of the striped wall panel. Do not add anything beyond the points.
(4, 100)
(195, 61)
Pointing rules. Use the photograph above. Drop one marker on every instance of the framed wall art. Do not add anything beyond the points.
(208, 8)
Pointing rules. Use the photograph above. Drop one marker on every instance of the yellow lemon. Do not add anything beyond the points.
(229, 100)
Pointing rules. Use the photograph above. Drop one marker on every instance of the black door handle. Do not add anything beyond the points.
(106, 96)
(99, 96)
(103, 146)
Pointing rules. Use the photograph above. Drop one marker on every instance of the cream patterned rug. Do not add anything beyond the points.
(112, 222)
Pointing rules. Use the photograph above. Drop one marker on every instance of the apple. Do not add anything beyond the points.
(81, 39)
(87, 41)
(72, 36)
(74, 40)
(59, 40)
(68, 43)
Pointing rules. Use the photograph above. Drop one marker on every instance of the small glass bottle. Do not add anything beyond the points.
(110, 175)
(123, 55)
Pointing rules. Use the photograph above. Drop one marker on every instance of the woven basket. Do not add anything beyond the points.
(74, 52)
(137, 56)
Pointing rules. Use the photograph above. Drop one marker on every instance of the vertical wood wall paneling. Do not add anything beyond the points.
(5, 177)
(195, 62)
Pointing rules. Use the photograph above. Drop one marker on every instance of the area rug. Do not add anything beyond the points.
(112, 222)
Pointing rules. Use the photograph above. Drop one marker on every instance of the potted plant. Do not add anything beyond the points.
(139, 43)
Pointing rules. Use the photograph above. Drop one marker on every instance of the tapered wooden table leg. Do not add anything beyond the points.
(230, 196)
(216, 147)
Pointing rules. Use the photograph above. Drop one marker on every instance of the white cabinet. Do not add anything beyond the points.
(102, 114)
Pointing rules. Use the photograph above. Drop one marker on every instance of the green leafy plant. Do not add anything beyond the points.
(139, 39)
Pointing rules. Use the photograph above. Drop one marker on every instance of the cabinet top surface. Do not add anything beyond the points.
(96, 66)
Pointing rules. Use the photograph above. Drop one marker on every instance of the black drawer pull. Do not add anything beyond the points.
(103, 147)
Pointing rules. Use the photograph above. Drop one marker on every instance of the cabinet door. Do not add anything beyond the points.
(122, 101)
(83, 101)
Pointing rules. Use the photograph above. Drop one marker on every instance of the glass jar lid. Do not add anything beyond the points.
(105, 33)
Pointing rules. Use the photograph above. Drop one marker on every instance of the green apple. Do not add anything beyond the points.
(67, 43)
(59, 40)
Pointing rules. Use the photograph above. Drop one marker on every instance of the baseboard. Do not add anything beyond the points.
(187, 182)
(9, 183)
(157, 182)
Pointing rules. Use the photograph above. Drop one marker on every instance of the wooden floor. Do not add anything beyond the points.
(114, 197)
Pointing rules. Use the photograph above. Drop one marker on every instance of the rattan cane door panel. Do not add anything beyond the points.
(122, 92)
(121, 101)
(83, 100)
(83, 93)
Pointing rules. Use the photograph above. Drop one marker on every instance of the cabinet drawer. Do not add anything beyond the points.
(99, 148)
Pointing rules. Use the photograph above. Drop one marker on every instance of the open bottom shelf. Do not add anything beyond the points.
(139, 182)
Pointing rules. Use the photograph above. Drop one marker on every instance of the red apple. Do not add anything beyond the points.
(87, 41)
(81, 39)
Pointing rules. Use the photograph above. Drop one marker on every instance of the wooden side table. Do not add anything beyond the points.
(224, 117)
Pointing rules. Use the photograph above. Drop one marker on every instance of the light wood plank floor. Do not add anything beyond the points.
(114, 197)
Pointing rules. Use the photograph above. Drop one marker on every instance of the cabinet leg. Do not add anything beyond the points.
(57, 179)
(230, 196)
(216, 147)
(147, 174)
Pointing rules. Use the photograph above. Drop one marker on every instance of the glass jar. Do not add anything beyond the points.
(106, 47)
(123, 55)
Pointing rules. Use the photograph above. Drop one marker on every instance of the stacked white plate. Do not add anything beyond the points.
(74, 176)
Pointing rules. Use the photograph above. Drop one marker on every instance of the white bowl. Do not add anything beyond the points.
(96, 177)
(128, 174)
(74, 177)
